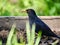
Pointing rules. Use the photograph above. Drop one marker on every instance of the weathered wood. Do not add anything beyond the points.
(52, 21)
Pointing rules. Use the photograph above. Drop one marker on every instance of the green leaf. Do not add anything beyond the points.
(38, 38)
(10, 35)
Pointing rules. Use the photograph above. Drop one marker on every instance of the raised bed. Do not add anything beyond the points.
(6, 22)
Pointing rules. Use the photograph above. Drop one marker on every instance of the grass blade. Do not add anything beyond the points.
(14, 40)
(10, 35)
(32, 34)
(55, 43)
(28, 33)
(0, 42)
(38, 38)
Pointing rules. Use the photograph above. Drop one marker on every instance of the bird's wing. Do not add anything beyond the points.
(44, 27)
(41, 24)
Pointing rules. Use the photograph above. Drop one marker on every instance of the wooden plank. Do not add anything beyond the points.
(52, 21)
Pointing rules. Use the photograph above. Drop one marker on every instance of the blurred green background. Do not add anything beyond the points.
(42, 7)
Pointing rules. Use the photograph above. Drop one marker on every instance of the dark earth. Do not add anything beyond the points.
(7, 22)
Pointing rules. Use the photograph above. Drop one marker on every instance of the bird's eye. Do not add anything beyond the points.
(28, 10)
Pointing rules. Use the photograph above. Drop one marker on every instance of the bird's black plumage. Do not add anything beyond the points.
(40, 25)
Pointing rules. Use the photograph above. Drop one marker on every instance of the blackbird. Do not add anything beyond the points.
(40, 25)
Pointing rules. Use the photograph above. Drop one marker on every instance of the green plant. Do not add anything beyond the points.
(55, 42)
(42, 7)
(9, 39)
(31, 38)
(31, 35)
(12, 39)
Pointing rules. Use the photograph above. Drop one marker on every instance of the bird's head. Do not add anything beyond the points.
(30, 12)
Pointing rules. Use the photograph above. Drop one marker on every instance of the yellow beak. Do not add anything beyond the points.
(23, 11)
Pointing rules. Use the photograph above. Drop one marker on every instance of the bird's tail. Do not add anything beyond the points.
(58, 37)
(54, 35)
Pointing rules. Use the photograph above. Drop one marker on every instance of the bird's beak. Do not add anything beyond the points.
(23, 11)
